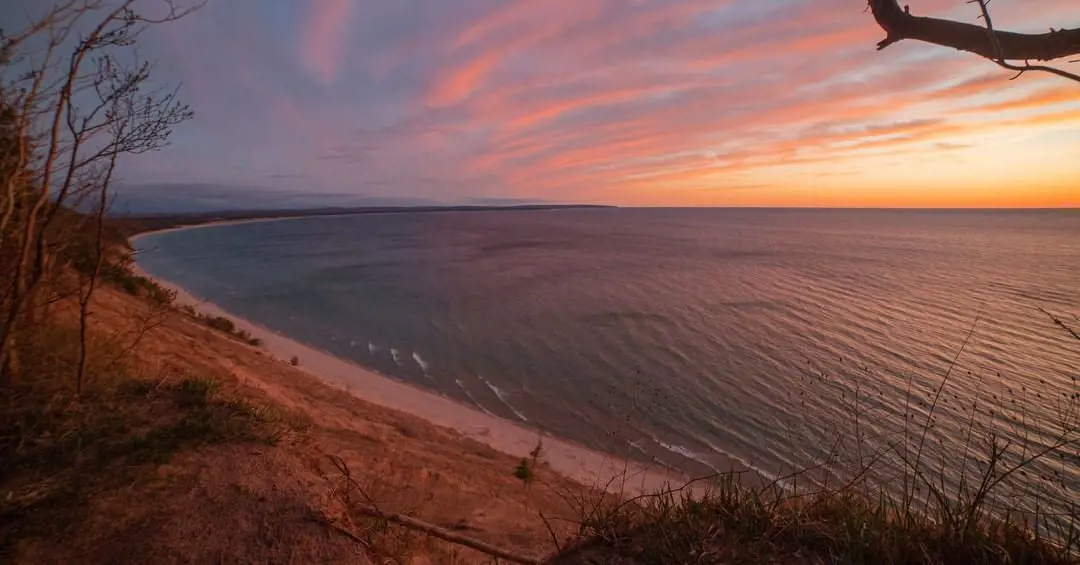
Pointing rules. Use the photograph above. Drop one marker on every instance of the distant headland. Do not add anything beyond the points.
(134, 224)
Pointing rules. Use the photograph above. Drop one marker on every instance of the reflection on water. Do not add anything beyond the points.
(682, 336)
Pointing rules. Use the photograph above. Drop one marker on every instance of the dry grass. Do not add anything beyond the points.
(199, 425)
(179, 420)
(726, 522)
(65, 458)
(1001, 497)
(58, 450)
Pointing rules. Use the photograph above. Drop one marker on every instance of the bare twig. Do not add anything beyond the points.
(933, 405)
(59, 152)
(339, 529)
(551, 531)
(1061, 324)
(446, 535)
(999, 51)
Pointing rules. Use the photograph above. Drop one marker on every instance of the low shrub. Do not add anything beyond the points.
(219, 323)
(223, 324)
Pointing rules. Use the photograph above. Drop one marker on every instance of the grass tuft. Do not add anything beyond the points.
(194, 392)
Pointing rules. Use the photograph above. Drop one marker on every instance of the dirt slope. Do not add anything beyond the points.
(291, 502)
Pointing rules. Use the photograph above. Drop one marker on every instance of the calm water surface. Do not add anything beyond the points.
(680, 336)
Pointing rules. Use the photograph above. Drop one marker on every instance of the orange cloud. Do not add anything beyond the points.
(1034, 100)
(459, 84)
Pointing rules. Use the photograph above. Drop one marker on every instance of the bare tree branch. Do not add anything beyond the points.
(373, 511)
(69, 109)
(998, 46)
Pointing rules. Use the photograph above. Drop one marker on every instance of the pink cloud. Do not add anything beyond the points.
(611, 100)
(324, 38)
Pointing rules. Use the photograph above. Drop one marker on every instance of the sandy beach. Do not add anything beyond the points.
(581, 464)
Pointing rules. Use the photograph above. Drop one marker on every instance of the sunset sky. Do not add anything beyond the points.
(632, 102)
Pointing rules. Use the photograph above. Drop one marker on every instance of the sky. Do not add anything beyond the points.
(628, 102)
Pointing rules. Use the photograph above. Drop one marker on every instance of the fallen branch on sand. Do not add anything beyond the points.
(428, 528)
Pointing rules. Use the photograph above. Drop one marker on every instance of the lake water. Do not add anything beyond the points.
(683, 336)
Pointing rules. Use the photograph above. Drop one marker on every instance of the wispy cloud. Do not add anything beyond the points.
(642, 101)
(325, 36)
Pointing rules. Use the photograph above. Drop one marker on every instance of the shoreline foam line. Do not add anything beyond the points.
(565, 457)
(502, 396)
(461, 386)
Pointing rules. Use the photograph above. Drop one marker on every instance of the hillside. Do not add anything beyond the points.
(190, 444)
(197, 447)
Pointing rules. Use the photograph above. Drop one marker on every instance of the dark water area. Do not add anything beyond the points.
(681, 336)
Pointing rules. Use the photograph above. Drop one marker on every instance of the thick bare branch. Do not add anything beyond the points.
(1000, 47)
(999, 56)
(372, 511)
(900, 24)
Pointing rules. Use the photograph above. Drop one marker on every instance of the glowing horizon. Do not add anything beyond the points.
(644, 102)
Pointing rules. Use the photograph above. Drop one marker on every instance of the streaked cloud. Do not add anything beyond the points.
(626, 101)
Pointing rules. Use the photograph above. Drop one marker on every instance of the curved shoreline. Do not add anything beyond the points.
(587, 466)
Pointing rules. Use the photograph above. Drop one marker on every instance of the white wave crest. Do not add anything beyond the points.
(504, 398)
(420, 361)
(461, 385)
(683, 451)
